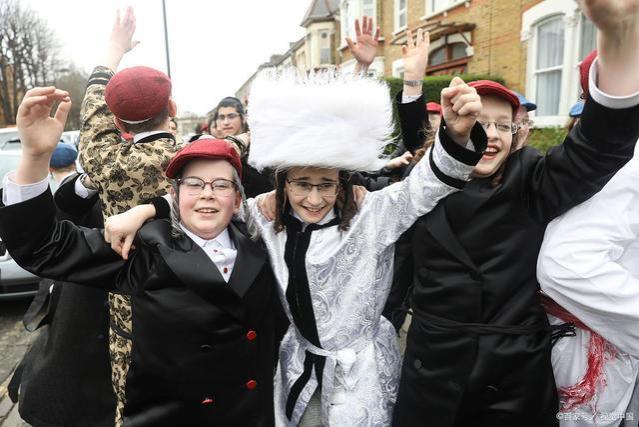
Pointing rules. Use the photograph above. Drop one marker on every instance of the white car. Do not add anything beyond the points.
(9, 138)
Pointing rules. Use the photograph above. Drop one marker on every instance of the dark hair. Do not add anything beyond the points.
(345, 201)
(232, 102)
(152, 124)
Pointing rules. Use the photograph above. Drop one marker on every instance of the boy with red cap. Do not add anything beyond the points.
(479, 347)
(202, 292)
(134, 101)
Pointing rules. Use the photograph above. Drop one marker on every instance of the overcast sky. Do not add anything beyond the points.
(215, 45)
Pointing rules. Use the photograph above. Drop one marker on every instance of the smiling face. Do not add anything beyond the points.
(314, 205)
(228, 122)
(207, 214)
(498, 111)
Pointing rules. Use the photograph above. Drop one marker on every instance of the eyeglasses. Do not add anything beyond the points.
(528, 122)
(303, 188)
(230, 116)
(504, 127)
(194, 186)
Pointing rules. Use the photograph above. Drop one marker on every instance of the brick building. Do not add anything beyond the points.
(534, 45)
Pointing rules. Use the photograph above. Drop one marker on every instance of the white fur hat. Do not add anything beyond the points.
(324, 119)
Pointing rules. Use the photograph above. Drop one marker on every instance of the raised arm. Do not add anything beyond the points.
(364, 49)
(604, 140)
(99, 137)
(411, 103)
(443, 170)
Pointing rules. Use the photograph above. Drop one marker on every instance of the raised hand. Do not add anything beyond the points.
(461, 106)
(611, 15)
(364, 49)
(617, 39)
(39, 132)
(121, 38)
(415, 55)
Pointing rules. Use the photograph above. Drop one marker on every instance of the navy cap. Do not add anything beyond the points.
(529, 106)
(63, 156)
(577, 109)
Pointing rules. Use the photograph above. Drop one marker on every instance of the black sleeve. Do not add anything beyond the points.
(397, 302)
(71, 206)
(413, 120)
(162, 207)
(602, 143)
(371, 182)
(60, 250)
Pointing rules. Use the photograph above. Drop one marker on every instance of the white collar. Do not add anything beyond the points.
(328, 217)
(224, 238)
(139, 136)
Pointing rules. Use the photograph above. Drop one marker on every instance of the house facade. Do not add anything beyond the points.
(536, 46)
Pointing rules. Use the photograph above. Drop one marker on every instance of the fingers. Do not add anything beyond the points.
(472, 108)
(358, 30)
(462, 99)
(62, 113)
(420, 37)
(456, 81)
(377, 33)
(126, 246)
(409, 39)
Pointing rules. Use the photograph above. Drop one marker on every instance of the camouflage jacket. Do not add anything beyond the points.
(125, 173)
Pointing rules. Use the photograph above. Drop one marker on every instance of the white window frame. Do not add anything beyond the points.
(430, 12)
(531, 19)
(397, 12)
(397, 68)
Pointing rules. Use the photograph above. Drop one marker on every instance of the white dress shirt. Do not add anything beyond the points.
(589, 264)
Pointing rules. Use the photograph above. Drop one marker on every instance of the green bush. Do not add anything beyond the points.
(545, 138)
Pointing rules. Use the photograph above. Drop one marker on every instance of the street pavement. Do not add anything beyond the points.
(14, 342)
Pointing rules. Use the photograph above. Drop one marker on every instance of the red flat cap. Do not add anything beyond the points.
(204, 148)
(433, 107)
(584, 70)
(489, 87)
(137, 94)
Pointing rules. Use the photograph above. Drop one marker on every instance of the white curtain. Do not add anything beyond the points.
(550, 60)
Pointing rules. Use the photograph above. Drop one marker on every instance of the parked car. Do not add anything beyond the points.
(9, 138)
(71, 137)
(15, 282)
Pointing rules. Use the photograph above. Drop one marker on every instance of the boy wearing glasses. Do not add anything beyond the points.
(203, 301)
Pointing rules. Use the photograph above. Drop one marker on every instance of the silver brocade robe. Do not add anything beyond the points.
(349, 275)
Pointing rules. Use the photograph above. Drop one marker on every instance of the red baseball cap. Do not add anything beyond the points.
(489, 87)
(137, 94)
(433, 107)
(206, 147)
(584, 70)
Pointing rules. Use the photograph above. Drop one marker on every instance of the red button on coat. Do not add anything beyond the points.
(251, 384)
(207, 401)
(251, 335)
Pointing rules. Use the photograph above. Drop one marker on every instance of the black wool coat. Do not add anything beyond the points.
(204, 350)
(65, 377)
(478, 349)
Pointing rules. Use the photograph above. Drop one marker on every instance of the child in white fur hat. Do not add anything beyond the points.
(332, 260)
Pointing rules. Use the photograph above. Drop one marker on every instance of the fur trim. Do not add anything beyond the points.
(325, 119)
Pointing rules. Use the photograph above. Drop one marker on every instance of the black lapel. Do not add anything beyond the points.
(248, 263)
(437, 225)
(195, 269)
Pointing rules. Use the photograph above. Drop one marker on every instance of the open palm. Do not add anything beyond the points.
(364, 49)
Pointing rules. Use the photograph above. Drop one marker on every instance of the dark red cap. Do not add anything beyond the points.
(584, 70)
(489, 87)
(206, 147)
(433, 107)
(137, 94)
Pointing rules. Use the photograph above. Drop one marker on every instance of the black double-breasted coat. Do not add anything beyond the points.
(478, 349)
(204, 349)
(65, 377)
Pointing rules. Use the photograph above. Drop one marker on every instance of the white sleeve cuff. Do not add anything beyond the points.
(609, 101)
(82, 191)
(407, 99)
(14, 193)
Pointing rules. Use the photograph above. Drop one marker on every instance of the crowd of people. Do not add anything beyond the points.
(259, 274)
